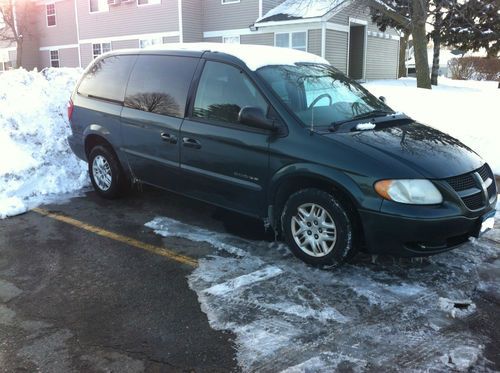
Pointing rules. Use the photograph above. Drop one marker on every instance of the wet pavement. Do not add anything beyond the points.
(71, 300)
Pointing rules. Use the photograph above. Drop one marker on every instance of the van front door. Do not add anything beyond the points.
(223, 161)
(152, 115)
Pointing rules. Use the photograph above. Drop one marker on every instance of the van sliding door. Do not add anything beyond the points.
(152, 115)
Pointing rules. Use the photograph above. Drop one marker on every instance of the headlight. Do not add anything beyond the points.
(412, 191)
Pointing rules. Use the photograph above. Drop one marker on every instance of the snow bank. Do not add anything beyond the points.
(35, 160)
(467, 110)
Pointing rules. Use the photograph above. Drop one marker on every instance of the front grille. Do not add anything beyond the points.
(467, 181)
(474, 202)
(462, 182)
(485, 172)
(492, 189)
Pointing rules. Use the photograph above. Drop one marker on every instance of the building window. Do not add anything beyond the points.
(51, 14)
(295, 40)
(98, 6)
(6, 65)
(148, 2)
(231, 39)
(54, 58)
(144, 43)
(100, 48)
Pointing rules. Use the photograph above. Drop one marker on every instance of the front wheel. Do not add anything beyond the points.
(105, 172)
(317, 228)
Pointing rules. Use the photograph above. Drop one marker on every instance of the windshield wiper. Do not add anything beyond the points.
(371, 114)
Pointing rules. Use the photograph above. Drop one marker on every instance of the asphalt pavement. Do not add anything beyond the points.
(85, 286)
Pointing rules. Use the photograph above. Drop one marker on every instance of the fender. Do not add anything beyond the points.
(111, 138)
(338, 178)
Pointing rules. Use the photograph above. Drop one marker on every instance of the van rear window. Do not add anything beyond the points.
(107, 78)
(160, 84)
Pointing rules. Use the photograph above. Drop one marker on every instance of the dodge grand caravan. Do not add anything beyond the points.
(280, 135)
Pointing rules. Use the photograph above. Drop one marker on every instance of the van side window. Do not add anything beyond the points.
(160, 84)
(107, 78)
(223, 91)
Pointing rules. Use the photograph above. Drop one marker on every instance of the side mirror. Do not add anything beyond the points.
(255, 117)
(383, 99)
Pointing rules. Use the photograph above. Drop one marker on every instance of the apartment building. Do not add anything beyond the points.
(70, 33)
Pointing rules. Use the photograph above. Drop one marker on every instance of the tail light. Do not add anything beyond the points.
(70, 109)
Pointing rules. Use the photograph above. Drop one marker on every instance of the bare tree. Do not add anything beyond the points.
(16, 25)
(418, 12)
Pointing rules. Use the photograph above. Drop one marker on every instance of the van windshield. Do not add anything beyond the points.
(320, 95)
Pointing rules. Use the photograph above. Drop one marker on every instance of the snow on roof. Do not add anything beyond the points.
(254, 56)
(298, 9)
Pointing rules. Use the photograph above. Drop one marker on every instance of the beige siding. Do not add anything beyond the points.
(124, 44)
(44, 59)
(380, 63)
(30, 53)
(171, 39)
(267, 5)
(336, 49)
(360, 11)
(64, 32)
(314, 41)
(192, 21)
(217, 16)
(68, 57)
(128, 19)
(217, 39)
(86, 54)
(259, 39)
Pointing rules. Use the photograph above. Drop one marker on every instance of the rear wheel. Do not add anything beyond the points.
(317, 228)
(106, 173)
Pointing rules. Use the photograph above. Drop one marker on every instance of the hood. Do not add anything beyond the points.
(430, 152)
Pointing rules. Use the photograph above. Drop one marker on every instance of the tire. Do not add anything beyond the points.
(102, 162)
(322, 226)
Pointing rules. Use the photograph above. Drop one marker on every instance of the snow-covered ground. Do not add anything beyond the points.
(381, 316)
(467, 110)
(36, 163)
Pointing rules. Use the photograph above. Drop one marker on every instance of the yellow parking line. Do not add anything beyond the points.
(158, 250)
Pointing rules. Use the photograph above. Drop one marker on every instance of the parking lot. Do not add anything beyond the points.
(156, 282)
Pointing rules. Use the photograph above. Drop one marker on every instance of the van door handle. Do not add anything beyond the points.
(191, 143)
(168, 138)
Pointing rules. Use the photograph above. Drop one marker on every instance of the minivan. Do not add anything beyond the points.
(280, 135)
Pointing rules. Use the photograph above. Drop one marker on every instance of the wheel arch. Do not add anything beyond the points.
(295, 178)
(97, 135)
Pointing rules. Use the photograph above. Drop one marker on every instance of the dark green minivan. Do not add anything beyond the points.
(280, 135)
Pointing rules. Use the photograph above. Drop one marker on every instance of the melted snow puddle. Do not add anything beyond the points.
(289, 317)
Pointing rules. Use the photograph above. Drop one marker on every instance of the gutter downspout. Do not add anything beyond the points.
(323, 39)
(78, 35)
(181, 31)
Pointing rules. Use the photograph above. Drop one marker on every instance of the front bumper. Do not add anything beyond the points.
(410, 234)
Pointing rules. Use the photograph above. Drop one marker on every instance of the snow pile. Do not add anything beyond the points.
(387, 316)
(467, 110)
(294, 9)
(35, 160)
